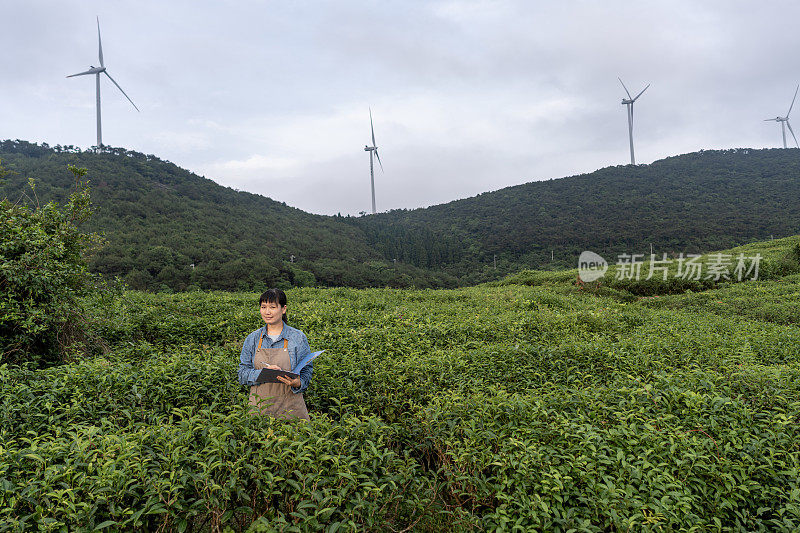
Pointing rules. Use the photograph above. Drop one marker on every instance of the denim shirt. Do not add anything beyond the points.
(298, 347)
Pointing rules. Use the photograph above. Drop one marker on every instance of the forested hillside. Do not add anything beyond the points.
(690, 203)
(159, 220)
(169, 228)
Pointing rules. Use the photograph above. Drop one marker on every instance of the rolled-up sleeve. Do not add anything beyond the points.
(303, 349)
(247, 372)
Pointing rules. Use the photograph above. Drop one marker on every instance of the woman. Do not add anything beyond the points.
(279, 346)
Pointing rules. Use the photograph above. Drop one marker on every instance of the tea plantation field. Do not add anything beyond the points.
(533, 404)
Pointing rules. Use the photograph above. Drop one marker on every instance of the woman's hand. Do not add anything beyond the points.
(296, 383)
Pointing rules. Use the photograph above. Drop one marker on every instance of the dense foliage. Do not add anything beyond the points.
(550, 408)
(708, 200)
(169, 229)
(43, 272)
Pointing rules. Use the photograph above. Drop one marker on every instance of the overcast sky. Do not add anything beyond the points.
(467, 96)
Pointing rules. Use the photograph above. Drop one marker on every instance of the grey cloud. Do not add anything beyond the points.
(472, 96)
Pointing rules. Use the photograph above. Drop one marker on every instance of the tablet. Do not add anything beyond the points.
(270, 375)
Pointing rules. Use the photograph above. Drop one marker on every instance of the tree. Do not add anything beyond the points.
(43, 273)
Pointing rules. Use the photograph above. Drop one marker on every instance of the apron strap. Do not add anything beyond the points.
(285, 343)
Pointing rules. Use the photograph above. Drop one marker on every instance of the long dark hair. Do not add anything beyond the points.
(274, 296)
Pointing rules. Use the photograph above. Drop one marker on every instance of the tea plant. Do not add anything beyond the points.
(509, 407)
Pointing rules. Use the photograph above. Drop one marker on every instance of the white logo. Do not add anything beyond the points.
(591, 266)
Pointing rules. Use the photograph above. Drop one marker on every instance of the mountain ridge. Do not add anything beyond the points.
(160, 219)
(722, 185)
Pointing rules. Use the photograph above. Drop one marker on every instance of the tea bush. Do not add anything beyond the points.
(510, 407)
(776, 259)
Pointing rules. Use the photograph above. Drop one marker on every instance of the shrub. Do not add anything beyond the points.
(783, 265)
(43, 272)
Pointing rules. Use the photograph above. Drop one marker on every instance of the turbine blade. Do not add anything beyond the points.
(90, 71)
(791, 106)
(640, 94)
(372, 129)
(379, 159)
(623, 86)
(99, 43)
(120, 88)
(792, 132)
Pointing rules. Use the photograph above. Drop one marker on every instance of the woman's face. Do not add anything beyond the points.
(272, 312)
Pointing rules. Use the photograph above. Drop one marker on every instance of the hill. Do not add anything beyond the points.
(160, 219)
(696, 202)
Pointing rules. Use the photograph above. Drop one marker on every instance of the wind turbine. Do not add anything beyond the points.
(97, 71)
(785, 122)
(629, 102)
(372, 149)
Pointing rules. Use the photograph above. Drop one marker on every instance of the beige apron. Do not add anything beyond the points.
(276, 399)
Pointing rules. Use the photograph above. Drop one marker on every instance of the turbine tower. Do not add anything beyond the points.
(785, 122)
(97, 71)
(372, 150)
(629, 102)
